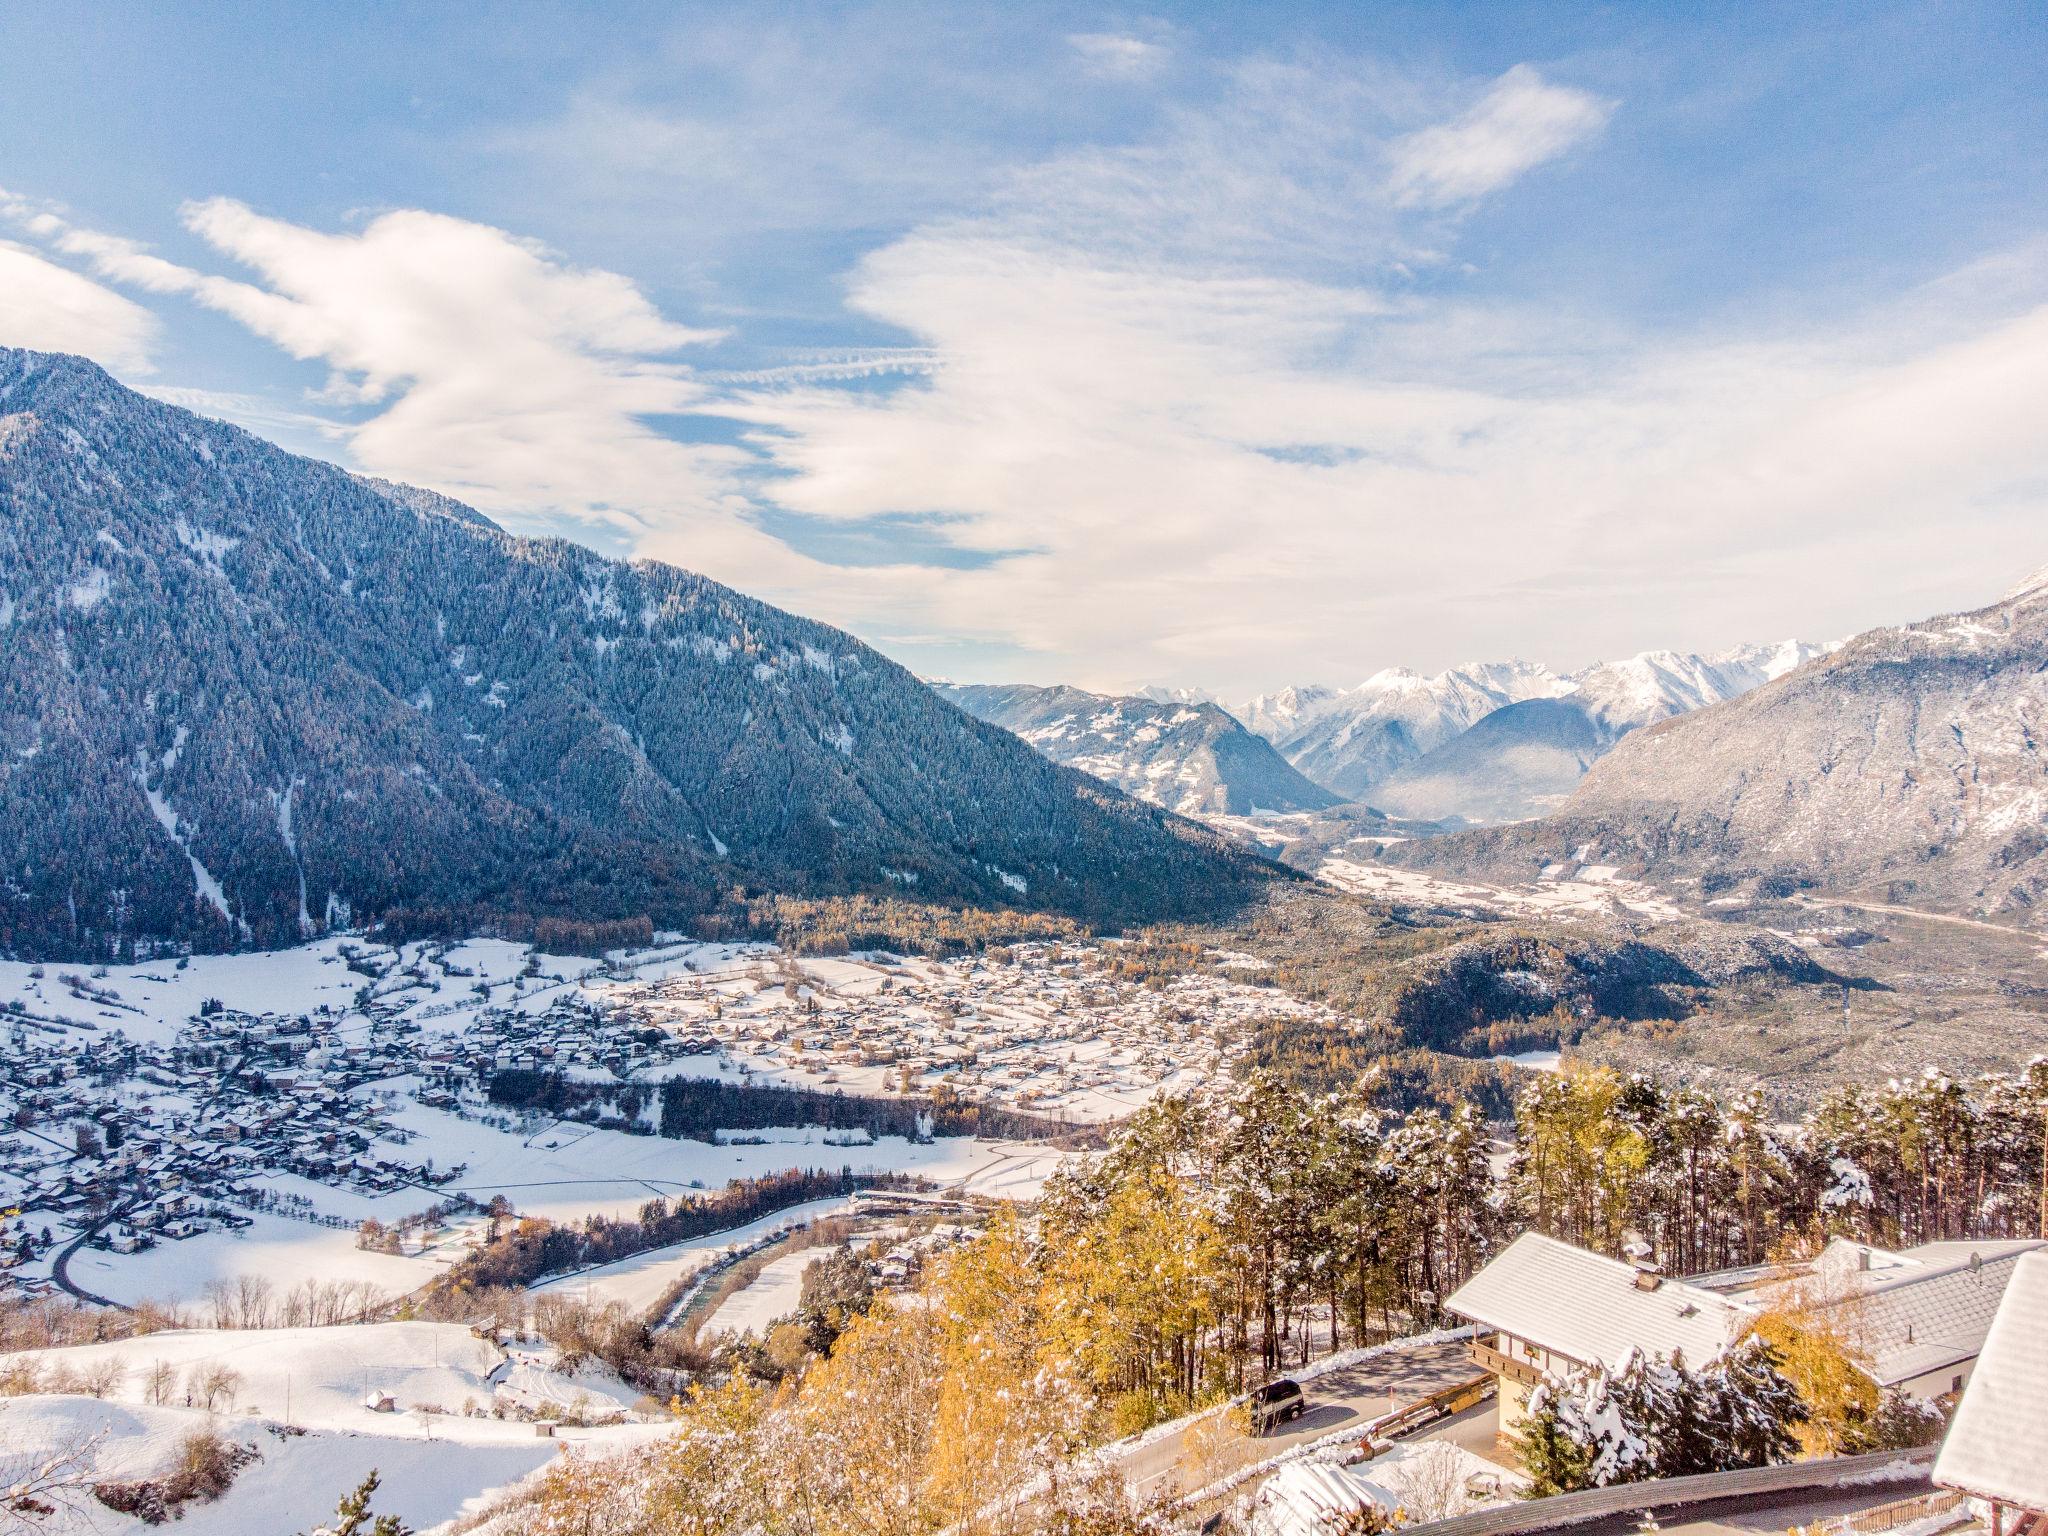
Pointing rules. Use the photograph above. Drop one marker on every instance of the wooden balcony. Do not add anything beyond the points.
(1490, 1359)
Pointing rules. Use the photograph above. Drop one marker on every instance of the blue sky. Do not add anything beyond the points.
(1227, 346)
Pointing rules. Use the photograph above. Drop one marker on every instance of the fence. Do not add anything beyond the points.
(1673, 1493)
(1427, 1410)
(1884, 1517)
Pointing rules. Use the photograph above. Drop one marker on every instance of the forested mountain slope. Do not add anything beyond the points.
(1906, 765)
(245, 695)
(1187, 756)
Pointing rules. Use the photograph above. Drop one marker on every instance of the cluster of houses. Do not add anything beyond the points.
(577, 1035)
(1047, 1027)
(135, 1144)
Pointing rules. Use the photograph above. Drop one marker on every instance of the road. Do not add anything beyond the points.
(1353, 1396)
(2007, 929)
(60, 1270)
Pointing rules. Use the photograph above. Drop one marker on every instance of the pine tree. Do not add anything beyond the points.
(352, 1515)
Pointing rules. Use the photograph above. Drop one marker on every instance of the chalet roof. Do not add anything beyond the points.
(1993, 1449)
(1590, 1309)
(1934, 1310)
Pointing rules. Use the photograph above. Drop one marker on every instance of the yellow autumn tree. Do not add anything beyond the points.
(1814, 1322)
(1131, 1298)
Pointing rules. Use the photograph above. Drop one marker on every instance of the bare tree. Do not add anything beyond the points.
(253, 1299)
(160, 1381)
(37, 1485)
(214, 1386)
(1433, 1483)
(102, 1378)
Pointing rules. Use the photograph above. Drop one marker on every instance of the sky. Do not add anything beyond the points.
(1222, 347)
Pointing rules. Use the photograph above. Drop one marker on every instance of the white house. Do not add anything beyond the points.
(1544, 1306)
(1997, 1446)
(1920, 1314)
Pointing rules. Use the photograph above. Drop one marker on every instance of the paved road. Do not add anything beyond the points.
(1343, 1398)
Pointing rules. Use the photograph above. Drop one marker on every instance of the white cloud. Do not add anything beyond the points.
(1522, 121)
(503, 375)
(1117, 55)
(1183, 420)
(50, 308)
(1228, 480)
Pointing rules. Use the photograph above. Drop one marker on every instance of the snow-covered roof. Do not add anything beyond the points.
(1933, 1309)
(1994, 1447)
(1590, 1309)
(1305, 1498)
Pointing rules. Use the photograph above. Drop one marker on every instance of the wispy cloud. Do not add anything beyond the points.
(51, 308)
(1118, 55)
(1522, 121)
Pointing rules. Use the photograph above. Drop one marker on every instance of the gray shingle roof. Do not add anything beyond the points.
(1588, 1308)
(1997, 1448)
(1926, 1308)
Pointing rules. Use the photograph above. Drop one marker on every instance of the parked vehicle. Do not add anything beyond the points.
(1277, 1402)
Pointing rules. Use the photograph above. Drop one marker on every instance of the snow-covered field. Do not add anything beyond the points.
(776, 1292)
(291, 1486)
(301, 1398)
(307, 1376)
(639, 1282)
(284, 1252)
(1592, 890)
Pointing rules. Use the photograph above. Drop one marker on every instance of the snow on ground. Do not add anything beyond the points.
(1535, 1061)
(315, 1377)
(563, 1173)
(283, 1252)
(1430, 1479)
(228, 1087)
(294, 1483)
(639, 1282)
(775, 1293)
(1592, 890)
(571, 1170)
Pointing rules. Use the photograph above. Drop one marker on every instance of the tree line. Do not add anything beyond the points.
(521, 1251)
(697, 1109)
(1710, 1182)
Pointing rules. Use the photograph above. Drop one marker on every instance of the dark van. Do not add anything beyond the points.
(1277, 1402)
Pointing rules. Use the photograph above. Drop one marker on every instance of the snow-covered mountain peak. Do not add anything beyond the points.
(1392, 680)
(1655, 685)
(2034, 586)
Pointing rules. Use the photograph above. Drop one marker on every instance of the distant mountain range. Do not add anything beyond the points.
(1493, 741)
(245, 696)
(1351, 739)
(1485, 742)
(1186, 755)
(1906, 765)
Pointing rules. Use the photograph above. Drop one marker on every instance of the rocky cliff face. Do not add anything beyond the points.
(245, 696)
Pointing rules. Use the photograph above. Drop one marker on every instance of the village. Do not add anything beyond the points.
(146, 1105)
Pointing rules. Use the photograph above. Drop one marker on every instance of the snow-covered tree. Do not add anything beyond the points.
(1652, 1417)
